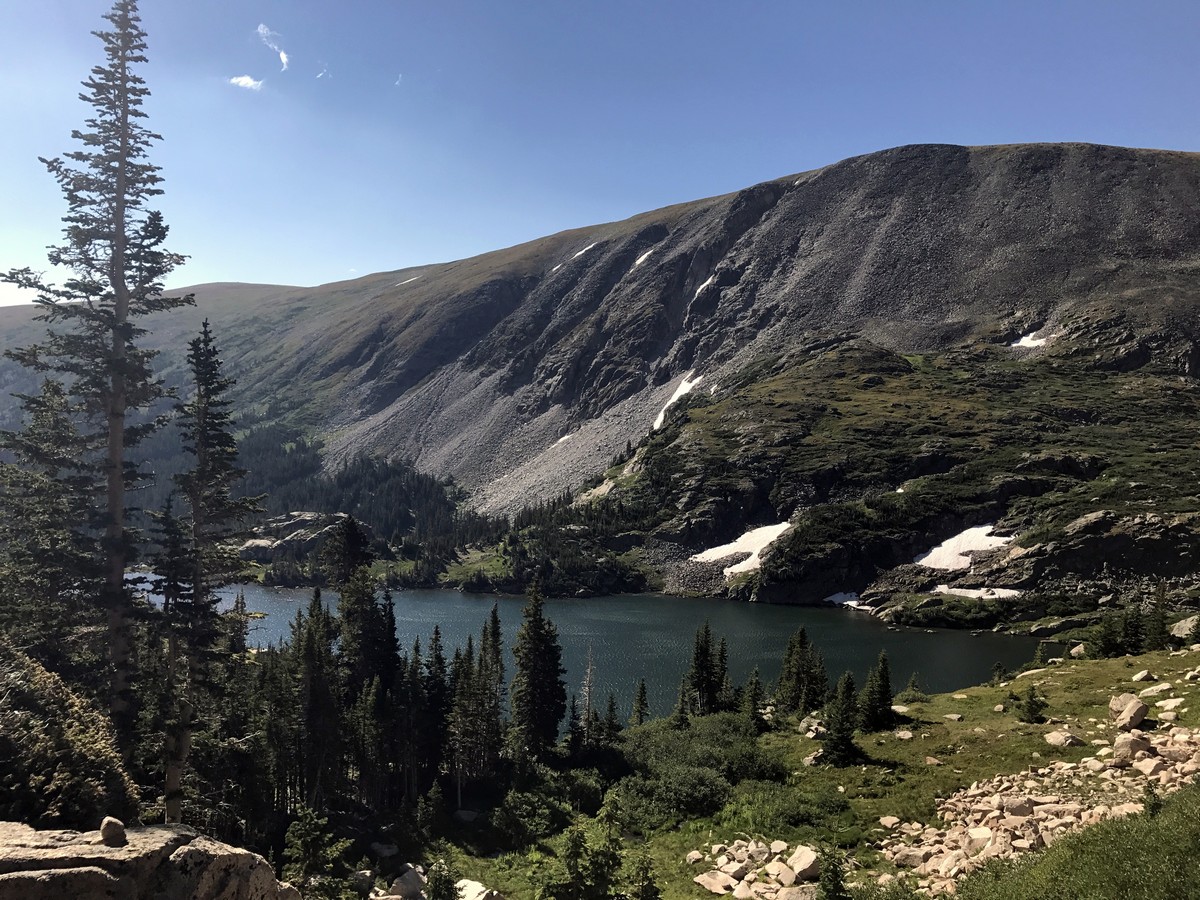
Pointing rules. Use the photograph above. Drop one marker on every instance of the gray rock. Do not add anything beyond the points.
(715, 882)
(804, 863)
(1063, 738)
(112, 832)
(1132, 715)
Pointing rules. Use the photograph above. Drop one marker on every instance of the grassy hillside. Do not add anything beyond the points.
(777, 797)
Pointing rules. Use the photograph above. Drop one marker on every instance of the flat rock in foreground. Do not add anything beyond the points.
(156, 861)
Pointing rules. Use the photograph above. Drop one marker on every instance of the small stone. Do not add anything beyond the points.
(889, 821)
(932, 761)
(112, 832)
(778, 847)
(953, 717)
(904, 735)
(1078, 651)
(1143, 675)
(998, 708)
(694, 857)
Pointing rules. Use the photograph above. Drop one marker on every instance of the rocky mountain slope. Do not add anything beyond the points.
(524, 372)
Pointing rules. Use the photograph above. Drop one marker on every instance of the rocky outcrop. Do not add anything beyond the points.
(116, 863)
(294, 534)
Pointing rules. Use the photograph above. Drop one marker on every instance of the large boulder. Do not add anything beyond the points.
(1132, 715)
(1118, 702)
(154, 862)
(804, 864)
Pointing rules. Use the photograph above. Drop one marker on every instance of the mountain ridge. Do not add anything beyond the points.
(477, 367)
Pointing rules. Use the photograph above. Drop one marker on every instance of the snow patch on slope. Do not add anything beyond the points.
(700, 289)
(585, 250)
(752, 542)
(685, 387)
(641, 259)
(955, 552)
(409, 281)
(985, 593)
(1028, 340)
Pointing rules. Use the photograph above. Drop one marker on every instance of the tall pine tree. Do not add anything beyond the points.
(114, 251)
(539, 694)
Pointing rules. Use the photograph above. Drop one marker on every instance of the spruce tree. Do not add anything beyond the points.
(789, 692)
(641, 706)
(114, 251)
(346, 549)
(1031, 706)
(49, 554)
(841, 720)
(438, 697)
(752, 699)
(641, 884)
(707, 674)
(1108, 641)
(875, 704)
(213, 518)
(1157, 632)
(442, 883)
(539, 694)
(831, 882)
(1132, 629)
(314, 857)
(612, 721)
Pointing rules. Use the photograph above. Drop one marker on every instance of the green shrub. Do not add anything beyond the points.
(670, 795)
(763, 807)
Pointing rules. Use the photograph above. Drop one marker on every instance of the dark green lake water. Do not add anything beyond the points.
(650, 636)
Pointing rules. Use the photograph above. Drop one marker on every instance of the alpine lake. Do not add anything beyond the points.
(651, 636)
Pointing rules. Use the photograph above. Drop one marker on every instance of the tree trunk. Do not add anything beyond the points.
(119, 608)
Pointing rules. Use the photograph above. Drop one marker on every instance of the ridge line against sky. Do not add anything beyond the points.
(309, 142)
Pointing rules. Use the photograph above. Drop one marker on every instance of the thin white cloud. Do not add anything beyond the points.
(245, 81)
(399, 78)
(269, 38)
(324, 73)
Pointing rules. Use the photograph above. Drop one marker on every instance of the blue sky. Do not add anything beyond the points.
(445, 128)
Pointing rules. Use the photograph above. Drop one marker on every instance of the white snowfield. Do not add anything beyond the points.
(685, 387)
(407, 281)
(846, 598)
(707, 282)
(753, 542)
(985, 593)
(584, 250)
(645, 256)
(1028, 340)
(954, 553)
